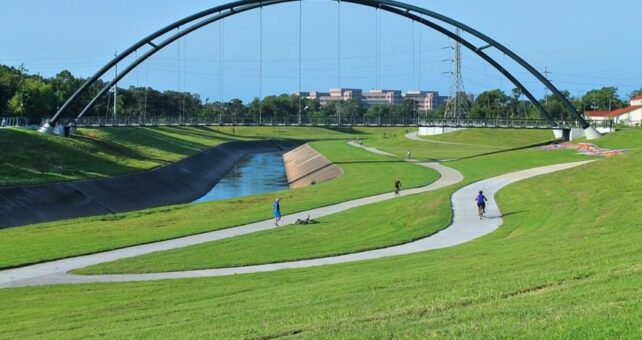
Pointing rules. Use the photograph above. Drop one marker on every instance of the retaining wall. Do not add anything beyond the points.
(305, 166)
(176, 183)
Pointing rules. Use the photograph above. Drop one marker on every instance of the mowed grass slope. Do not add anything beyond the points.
(374, 226)
(48, 241)
(76, 237)
(565, 264)
(454, 145)
(368, 227)
(28, 157)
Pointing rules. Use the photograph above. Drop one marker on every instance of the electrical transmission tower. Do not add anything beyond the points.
(457, 105)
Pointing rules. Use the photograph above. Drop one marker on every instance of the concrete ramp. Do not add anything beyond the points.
(305, 166)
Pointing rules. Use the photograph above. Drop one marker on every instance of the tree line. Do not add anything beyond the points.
(37, 97)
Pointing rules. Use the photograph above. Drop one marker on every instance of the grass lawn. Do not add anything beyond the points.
(368, 227)
(32, 244)
(114, 151)
(47, 241)
(28, 157)
(466, 143)
(565, 264)
(31, 158)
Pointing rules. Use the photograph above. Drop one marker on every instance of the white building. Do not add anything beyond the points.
(631, 115)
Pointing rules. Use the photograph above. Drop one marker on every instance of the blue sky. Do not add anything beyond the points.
(584, 44)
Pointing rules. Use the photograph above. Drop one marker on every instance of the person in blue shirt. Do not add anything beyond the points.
(276, 211)
(481, 204)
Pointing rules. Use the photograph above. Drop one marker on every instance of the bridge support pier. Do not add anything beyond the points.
(567, 135)
(591, 133)
(46, 129)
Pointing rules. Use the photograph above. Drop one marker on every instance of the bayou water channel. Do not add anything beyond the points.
(256, 173)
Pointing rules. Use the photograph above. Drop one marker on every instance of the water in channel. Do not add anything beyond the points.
(256, 173)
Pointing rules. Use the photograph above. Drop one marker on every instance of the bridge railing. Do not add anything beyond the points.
(14, 122)
(245, 120)
(253, 120)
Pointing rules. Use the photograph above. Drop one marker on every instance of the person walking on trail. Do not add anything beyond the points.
(481, 204)
(397, 186)
(408, 154)
(276, 211)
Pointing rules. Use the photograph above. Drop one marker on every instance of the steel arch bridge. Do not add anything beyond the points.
(415, 13)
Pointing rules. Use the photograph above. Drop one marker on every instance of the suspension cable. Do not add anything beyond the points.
(261, 64)
(178, 49)
(146, 88)
(137, 112)
(378, 48)
(339, 61)
(300, 53)
(184, 72)
(339, 43)
(221, 52)
(501, 78)
(414, 62)
(108, 102)
(421, 41)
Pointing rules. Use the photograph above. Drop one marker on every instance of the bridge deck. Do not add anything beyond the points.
(151, 121)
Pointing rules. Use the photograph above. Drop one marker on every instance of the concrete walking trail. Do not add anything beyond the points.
(466, 226)
(55, 272)
(371, 149)
(415, 136)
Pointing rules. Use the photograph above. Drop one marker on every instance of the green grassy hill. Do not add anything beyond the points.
(567, 263)
(27, 157)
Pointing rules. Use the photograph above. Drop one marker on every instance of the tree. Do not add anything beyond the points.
(491, 104)
(10, 78)
(378, 111)
(605, 98)
(351, 109)
(33, 99)
(406, 109)
(556, 107)
(635, 93)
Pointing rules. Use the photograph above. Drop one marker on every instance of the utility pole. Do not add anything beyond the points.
(456, 107)
(547, 74)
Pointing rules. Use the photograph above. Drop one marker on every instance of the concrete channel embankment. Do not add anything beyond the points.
(305, 166)
(180, 182)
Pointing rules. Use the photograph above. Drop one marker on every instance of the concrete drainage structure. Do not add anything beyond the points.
(305, 166)
(180, 182)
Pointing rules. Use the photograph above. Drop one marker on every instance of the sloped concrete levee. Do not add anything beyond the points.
(176, 183)
(305, 166)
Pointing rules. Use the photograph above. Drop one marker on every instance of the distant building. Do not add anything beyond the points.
(381, 97)
(631, 115)
(334, 95)
(313, 95)
(426, 100)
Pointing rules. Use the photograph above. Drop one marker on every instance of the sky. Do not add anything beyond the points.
(582, 44)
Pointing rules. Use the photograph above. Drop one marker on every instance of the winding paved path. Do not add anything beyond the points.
(55, 272)
(466, 226)
(415, 136)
